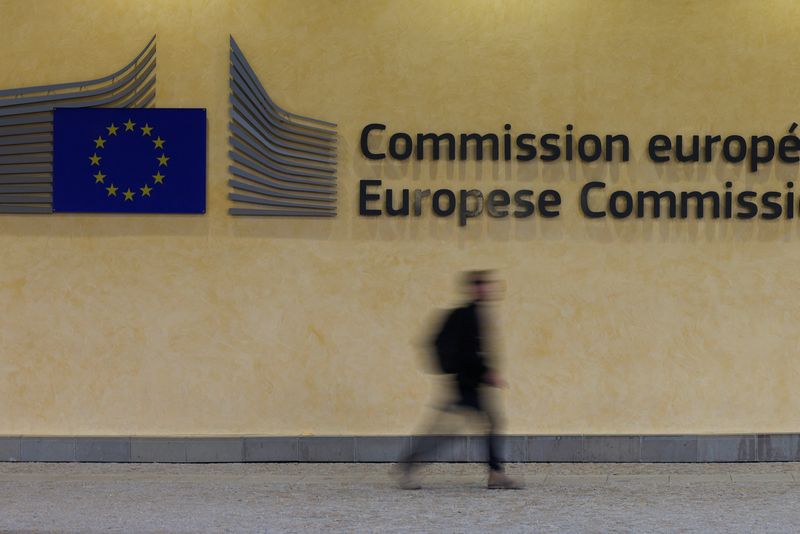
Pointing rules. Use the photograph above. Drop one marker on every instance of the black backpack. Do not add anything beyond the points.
(446, 344)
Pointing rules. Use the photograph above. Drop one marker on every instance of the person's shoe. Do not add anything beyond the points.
(499, 480)
(405, 477)
(407, 481)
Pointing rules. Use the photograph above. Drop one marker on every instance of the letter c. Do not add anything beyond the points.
(365, 141)
(585, 200)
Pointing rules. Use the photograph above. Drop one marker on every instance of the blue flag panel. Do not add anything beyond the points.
(129, 160)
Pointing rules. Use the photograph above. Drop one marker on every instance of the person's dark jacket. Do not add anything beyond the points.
(471, 365)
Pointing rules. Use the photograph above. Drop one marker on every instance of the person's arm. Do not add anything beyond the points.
(490, 375)
(493, 378)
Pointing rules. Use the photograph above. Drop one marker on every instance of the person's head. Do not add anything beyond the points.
(481, 285)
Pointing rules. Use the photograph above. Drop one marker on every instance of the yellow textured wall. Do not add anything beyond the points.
(214, 325)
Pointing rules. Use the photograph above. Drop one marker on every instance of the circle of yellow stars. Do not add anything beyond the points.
(146, 189)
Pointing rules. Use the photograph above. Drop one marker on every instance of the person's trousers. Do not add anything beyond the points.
(470, 399)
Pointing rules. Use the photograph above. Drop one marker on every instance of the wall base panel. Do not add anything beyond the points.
(461, 448)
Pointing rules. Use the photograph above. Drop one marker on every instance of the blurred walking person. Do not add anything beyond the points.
(463, 349)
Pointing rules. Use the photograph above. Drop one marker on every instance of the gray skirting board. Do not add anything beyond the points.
(590, 448)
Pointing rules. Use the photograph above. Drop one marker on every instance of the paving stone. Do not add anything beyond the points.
(48, 450)
(512, 449)
(530, 479)
(215, 450)
(669, 449)
(778, 447)
(381, 448)
(733, 448)
(271, 449)
(761, 478)
(326, 449)
(10, 449)
(446, 448)
(554, 448)
(158, 450)
(611, 449)
(257, 497)
(638, 479)
(710, 478)
(576, 480)
(103, 449)
(455, 449)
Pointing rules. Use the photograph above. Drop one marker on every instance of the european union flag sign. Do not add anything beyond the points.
(129, 160)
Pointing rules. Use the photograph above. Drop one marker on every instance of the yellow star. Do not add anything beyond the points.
(95, 159)
(159, 142)
(112, 130)
(99, 142)
(162, 160)
(128, 194)
(99, 177)
(159, 178)
(146, 190)
(129, 125)
(146, 129)
(112, 191)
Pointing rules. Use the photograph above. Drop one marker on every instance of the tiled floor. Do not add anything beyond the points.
(749, 497)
